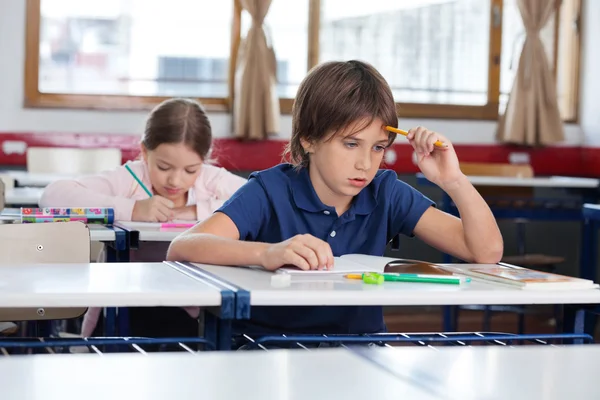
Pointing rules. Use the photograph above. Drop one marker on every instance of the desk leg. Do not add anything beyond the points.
(217, 330)
(589, 251)
(579, 319)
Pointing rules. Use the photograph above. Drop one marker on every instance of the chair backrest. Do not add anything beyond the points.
(497, 169)
(44, 243)
(71, 161)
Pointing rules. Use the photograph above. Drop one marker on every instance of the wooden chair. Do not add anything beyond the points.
(47, 243)
(522, 258)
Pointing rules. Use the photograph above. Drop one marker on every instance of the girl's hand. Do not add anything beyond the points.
(154, 209)
(438, 164)
(303, 251)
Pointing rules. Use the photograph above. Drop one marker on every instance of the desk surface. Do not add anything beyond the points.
(102, 285)
(283, 374)
(497, 373)
(548, 182)
(23, 196)
(151, 232)
(101, 233)
(591, 211)
(337, 290)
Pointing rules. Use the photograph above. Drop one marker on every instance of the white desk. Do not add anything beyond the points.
(497, 373)
(40, 180)
(23, 196)
(102, 285)
(327, 374)
(547, 182)
(337, 291)
(151, 232)
(101, 233)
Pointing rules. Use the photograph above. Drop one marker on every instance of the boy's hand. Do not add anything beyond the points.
(303, 251)
(438, 164)
(154, 209)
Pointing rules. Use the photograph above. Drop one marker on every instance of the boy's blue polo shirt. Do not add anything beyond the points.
(279, 203)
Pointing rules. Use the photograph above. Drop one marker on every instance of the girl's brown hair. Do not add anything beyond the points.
(334, 96)
(179, 120)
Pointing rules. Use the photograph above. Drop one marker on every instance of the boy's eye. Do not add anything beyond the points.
(162, 168)
(191, 172)
(351, 144)
(379, 148)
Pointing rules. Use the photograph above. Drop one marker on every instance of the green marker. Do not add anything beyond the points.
(444, 279)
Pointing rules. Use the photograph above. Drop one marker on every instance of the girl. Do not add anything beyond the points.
(175, 149)
(333, 200)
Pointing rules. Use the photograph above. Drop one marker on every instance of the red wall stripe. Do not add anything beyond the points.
(237, 155)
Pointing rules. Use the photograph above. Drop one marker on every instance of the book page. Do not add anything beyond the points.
(342, 265)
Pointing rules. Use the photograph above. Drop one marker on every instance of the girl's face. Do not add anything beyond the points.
(173, 168)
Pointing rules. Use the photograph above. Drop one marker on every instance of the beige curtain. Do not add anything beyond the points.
(256, 104)
(532, 116)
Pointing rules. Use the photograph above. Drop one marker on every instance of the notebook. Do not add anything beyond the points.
(361, 263)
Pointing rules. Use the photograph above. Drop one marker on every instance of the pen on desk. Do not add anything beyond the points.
(400, 131)
(138, 180)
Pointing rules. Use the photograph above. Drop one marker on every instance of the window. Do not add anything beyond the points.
(430, 52)
(133, 51)
(442, 58)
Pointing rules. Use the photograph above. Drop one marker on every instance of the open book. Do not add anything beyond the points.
(513, 276)
(361, 263)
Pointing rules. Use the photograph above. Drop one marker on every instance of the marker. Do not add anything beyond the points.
(431, 276)
(419, 279)
(138, 180)
(375, 278)
(176, 225)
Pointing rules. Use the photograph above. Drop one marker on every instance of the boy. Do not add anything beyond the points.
(333, 200)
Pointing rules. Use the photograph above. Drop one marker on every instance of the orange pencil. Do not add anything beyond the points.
(400, 131)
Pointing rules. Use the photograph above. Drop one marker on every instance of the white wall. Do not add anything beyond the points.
(590, 73)
(15, 118)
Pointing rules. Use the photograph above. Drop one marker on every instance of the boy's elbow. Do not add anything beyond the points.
(491, 255)
(174, 251)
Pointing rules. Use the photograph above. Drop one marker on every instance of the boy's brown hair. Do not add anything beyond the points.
(334, 96)
(179, 120)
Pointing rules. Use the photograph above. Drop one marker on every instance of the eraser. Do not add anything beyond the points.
(281, 280)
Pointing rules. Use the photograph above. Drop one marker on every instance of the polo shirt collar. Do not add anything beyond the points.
(305, 197)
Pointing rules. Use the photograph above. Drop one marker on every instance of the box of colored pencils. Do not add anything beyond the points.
(103, 216)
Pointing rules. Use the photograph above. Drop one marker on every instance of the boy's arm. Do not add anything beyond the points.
(475, 237)
(228, 237)
(215, 241)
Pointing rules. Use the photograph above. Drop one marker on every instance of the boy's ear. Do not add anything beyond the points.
(306, 145)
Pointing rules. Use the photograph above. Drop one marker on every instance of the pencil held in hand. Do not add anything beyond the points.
(400, 131)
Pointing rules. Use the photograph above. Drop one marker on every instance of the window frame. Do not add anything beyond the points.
(488, 111)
